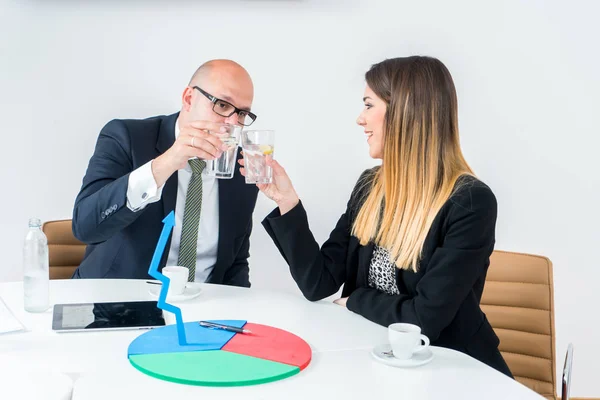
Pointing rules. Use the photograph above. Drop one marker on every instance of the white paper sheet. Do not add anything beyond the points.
(8, 322)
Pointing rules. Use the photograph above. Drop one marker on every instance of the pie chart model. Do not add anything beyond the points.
(214, 357)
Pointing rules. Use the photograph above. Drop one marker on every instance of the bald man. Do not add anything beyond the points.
(141, 170)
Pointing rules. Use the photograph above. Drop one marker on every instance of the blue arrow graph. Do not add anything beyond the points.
(168, 222)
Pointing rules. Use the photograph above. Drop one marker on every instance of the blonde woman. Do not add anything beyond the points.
(414, 243)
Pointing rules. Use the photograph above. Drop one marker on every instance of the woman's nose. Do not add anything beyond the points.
(360, 120)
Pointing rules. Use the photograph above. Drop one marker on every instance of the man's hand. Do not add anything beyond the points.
(197, 139)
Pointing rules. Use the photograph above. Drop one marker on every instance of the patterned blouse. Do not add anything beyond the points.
(382, 272)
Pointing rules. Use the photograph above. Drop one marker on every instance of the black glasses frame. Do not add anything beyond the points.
(236, 110)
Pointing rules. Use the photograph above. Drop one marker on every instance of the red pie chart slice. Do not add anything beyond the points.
(273, 344)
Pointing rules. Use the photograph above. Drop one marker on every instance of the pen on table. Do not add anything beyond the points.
(229, 328)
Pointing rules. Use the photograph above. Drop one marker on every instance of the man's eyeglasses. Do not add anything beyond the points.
(226, 109)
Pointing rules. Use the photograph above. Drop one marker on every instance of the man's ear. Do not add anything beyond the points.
(186, 99)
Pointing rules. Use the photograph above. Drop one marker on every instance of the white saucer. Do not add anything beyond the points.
(190, 292)
(420, 358)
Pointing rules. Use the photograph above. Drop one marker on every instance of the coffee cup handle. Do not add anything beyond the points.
(423, 346)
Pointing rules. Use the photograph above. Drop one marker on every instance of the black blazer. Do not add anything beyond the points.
(442, 297)
(121, 242)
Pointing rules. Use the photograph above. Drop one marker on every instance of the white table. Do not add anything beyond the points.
(24, 382)
(341, 341)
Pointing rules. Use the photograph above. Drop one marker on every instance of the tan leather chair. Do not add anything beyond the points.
(65, 252)
(518, 300)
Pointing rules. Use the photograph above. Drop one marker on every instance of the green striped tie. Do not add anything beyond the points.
(191, 219)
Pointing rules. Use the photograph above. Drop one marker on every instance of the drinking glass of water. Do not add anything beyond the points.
(257, 145)
(224, 166)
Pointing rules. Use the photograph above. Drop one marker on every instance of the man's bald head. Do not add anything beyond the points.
(223, 79)
(222, 69)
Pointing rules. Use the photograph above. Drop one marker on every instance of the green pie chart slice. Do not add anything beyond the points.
(211, 368)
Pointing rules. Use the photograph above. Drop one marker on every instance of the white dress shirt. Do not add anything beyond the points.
(142, 190)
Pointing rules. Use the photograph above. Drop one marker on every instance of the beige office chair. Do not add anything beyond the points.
(518, 300)
(65, 252)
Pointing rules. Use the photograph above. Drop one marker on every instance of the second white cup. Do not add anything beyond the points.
(405, 340)
(178, 276)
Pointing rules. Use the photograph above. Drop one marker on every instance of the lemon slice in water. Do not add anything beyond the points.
(266, 149)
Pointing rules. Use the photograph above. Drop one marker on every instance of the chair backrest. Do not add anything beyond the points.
(566, 374)
(65, 252)
(518, 300)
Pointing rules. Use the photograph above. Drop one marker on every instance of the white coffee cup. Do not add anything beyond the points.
(405, 340)
(178, 279)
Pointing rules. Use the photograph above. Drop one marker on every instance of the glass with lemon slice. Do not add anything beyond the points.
(257, 145)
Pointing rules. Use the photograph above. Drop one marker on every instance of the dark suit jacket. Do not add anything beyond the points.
(442, 297)
(121, 242)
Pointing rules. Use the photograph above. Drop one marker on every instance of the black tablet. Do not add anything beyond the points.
(106, 316)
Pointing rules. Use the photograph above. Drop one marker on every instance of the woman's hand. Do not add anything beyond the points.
(341, 302)
(281, 190)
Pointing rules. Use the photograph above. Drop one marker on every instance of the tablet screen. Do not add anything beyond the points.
(104, 316)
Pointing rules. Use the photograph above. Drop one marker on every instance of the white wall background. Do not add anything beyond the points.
(527, 80)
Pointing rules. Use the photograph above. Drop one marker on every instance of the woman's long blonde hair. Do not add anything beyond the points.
(422, 159)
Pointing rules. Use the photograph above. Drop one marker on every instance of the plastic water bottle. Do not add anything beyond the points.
(36, 271)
